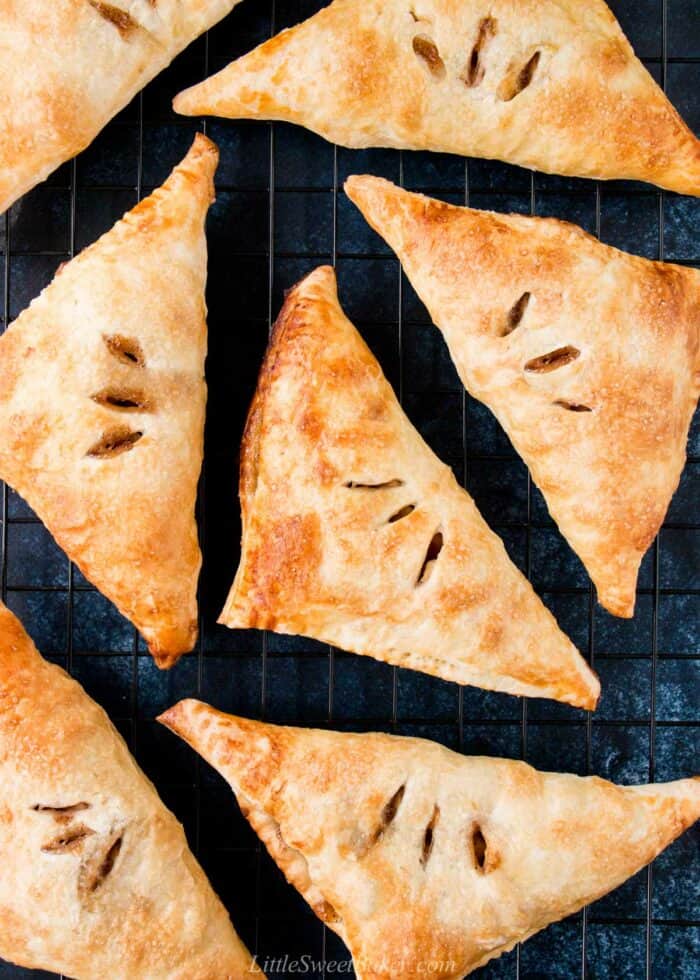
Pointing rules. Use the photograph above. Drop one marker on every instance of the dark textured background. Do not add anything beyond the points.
(279, 213)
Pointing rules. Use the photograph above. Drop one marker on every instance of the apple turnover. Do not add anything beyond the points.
(97, 878)
(354, 533)
(549, 84)
(589, 358)
(423, 861)
(102, 399)
(68, 66)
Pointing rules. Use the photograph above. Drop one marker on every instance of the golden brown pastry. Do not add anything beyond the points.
(102, 399)
(354, 533)
(97, 880)
(414, 854)
(588, 357)
(68, 66)
(547, 84)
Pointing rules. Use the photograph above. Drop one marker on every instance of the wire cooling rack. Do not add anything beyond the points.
(280, 211)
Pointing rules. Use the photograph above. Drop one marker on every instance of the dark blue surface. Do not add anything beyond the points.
(280, 187)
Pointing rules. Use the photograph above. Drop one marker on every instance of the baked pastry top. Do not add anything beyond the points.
(354, 533)
(68, 66)
(548, 84)
(97, 879)
(415, 855)
(588, 357)
(102, 399)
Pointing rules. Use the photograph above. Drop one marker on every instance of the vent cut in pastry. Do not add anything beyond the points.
(68, 66)
(102, 400)
(97, 880)
(589, 358)
(548, 84)
(415, 855)
(355, 534)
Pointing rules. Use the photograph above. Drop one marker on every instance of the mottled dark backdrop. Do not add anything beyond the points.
(279, 213)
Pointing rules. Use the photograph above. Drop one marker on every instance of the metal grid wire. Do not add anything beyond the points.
(280, 212)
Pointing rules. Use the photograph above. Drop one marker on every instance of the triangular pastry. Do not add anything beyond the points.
(552, 85)
(588, 357)
(416, 855)
(354, 533)
(102, 399)
(68, 66)
(97, 879)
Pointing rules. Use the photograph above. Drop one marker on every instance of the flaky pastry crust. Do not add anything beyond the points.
(426, 862)
(589, 358)
(97, 879)
(356, 534)
(68, 66)
(102, 399)
(548, 84)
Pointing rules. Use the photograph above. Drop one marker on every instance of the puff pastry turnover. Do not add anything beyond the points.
(415, 855)
(102, 400)
(97, 879)
(589, 358)
(68, 66)
(548, 84)
(354, 533)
